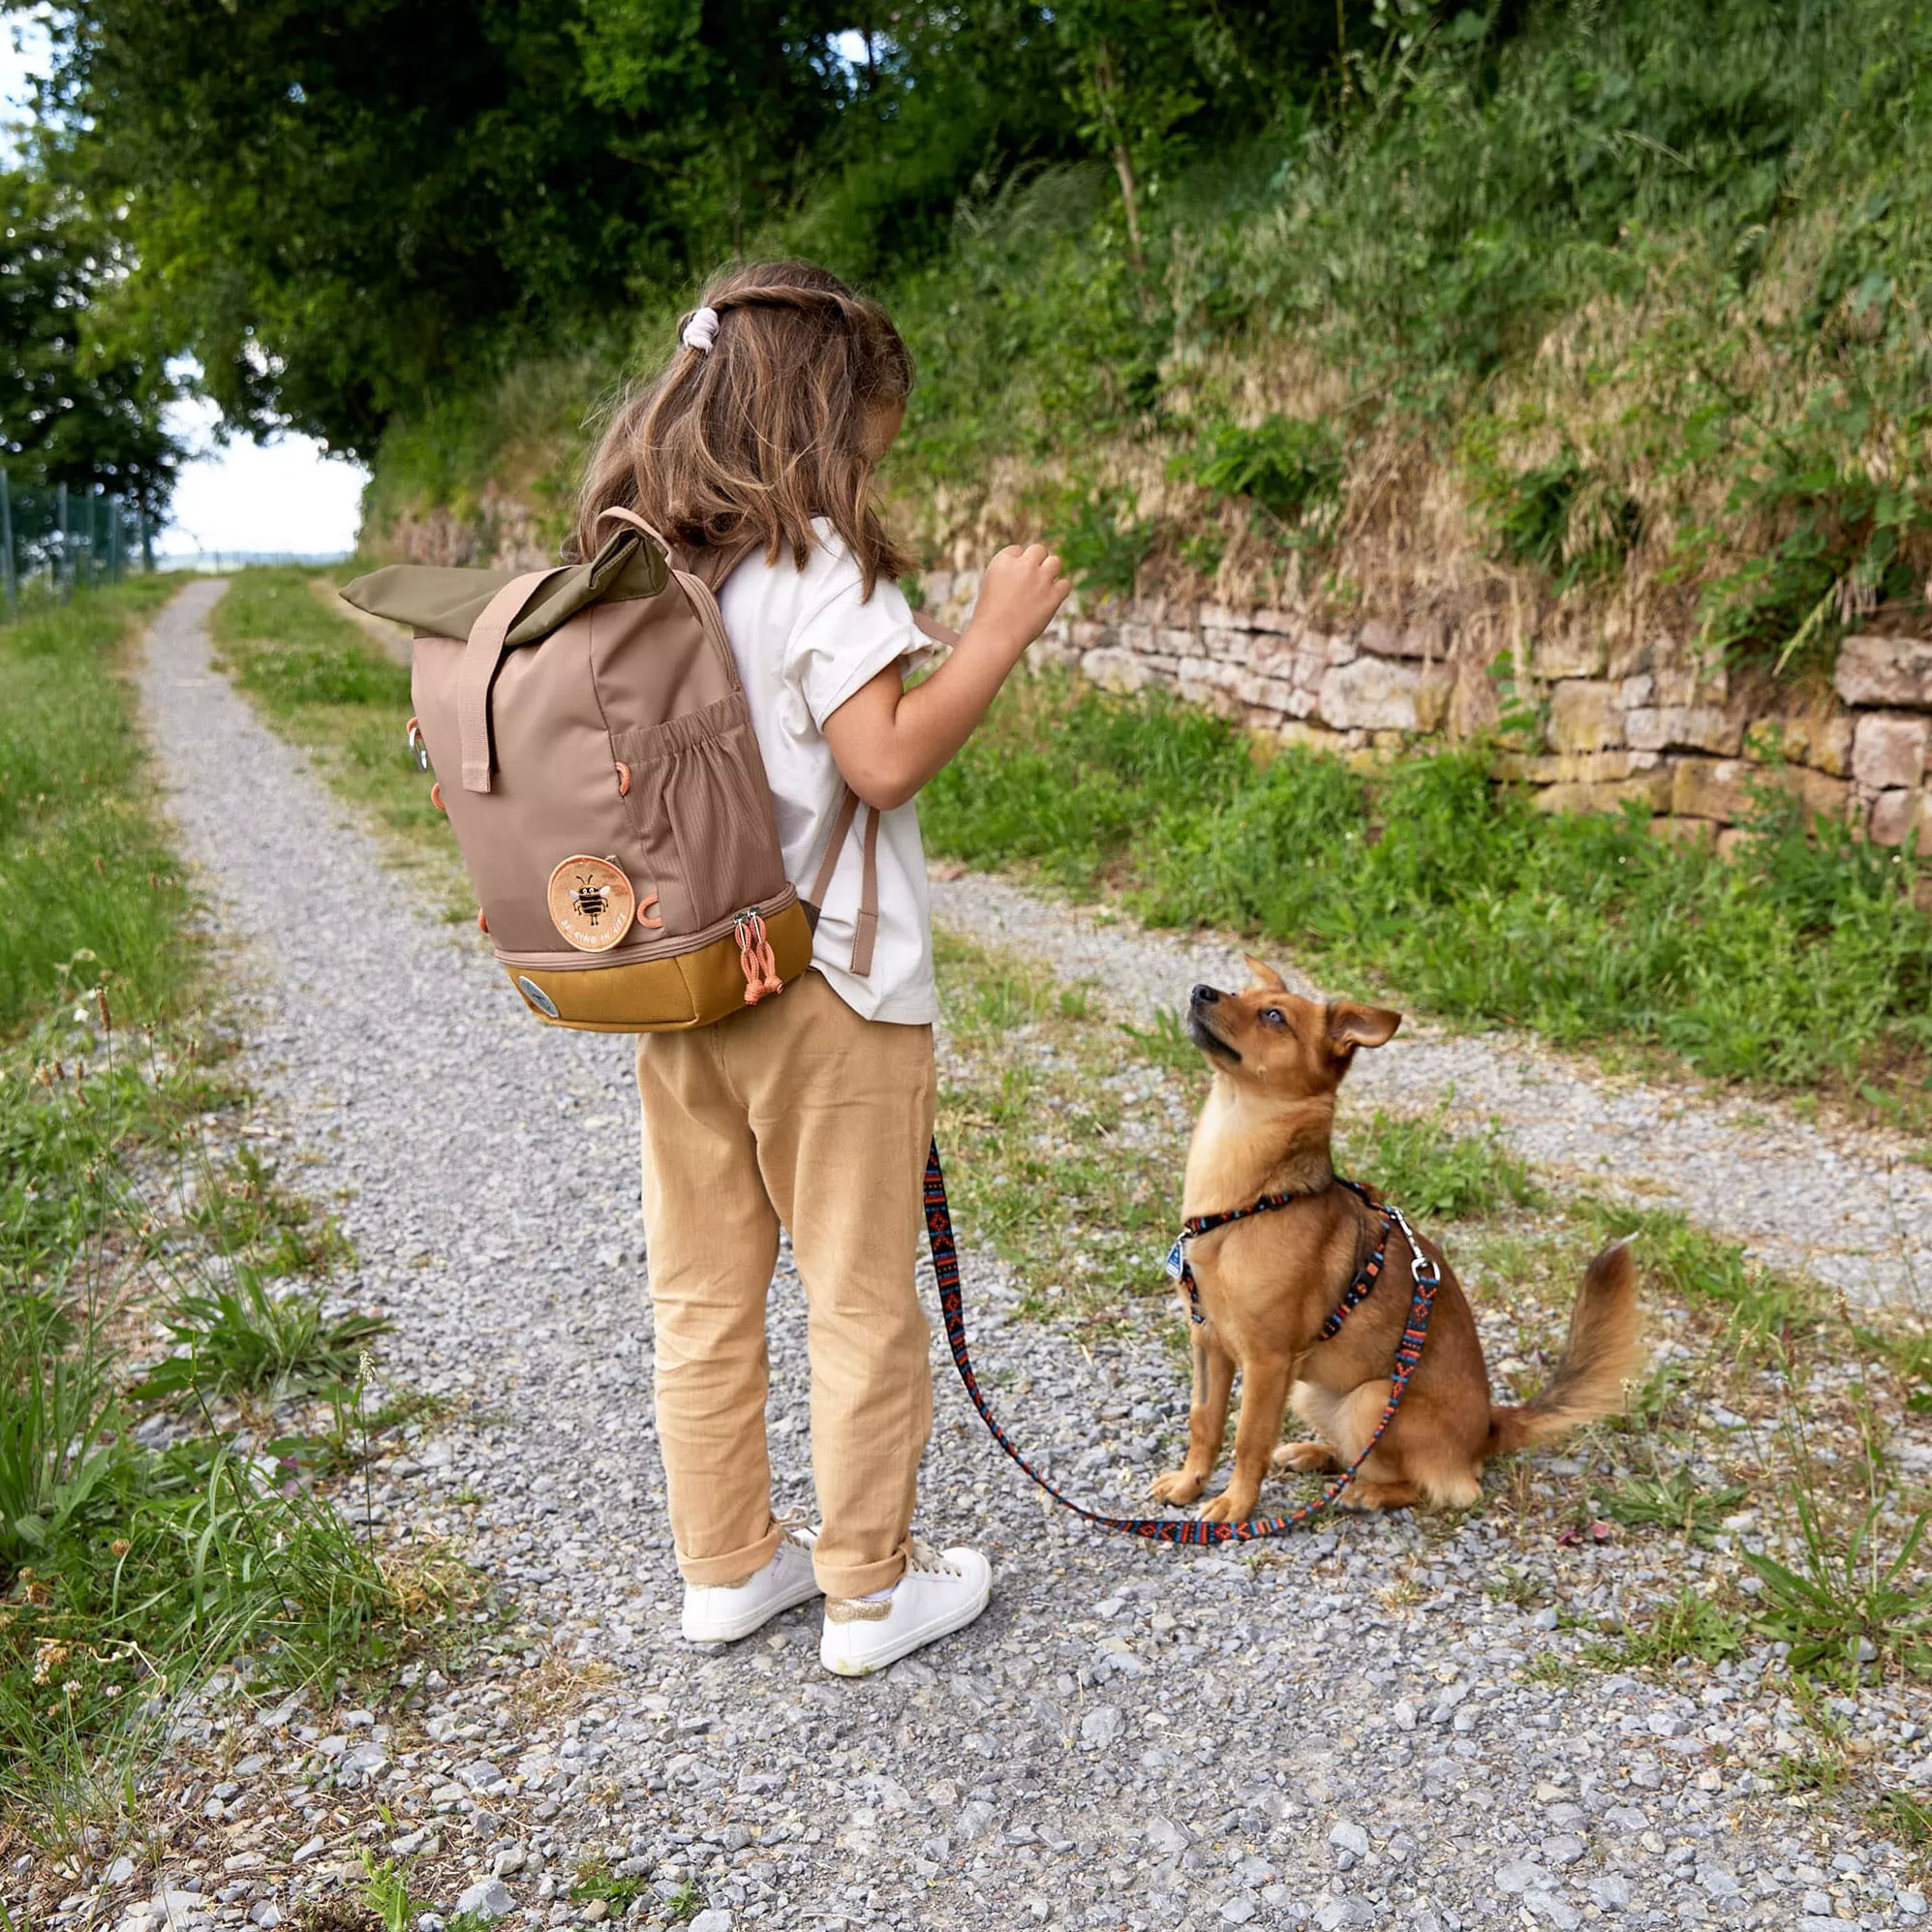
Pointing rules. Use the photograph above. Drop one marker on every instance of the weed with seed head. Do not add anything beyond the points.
(1847, 1610)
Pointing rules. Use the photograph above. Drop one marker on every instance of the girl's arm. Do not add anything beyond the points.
(889, 741)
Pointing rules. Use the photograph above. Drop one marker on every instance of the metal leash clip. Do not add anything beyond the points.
(418, 749)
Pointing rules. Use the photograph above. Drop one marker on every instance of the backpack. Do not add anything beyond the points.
(591, 746)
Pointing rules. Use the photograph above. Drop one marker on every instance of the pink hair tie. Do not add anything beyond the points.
(701, 332)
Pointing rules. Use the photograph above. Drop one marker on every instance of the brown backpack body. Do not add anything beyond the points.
(593, 749)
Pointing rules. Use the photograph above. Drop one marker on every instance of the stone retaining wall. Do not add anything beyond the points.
(1619, 720)
(1643, 721)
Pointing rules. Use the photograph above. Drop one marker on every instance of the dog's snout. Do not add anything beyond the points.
(1204, 995)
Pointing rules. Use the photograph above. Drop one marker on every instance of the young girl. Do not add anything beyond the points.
(811, 1110)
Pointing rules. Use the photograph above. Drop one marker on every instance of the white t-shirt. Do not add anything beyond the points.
(805, 643)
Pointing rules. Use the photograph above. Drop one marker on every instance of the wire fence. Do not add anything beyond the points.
(54, 540)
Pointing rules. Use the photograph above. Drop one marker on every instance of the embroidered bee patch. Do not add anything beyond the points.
(591, 902)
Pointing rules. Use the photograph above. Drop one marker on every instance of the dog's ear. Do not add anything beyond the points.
(1351, 1025)
(1266, 975)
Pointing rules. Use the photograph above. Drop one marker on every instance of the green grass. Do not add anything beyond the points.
(1850, 1607)
(1692, 1627)
(89, 893)
(327, 685)
(1677, 1502)
(597, 1880)
(1431, 1172)
(1804, 964)
(243, 1338)
(128, 1574)
(1031, 1119)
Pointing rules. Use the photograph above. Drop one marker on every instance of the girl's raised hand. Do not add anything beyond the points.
(1018, 593)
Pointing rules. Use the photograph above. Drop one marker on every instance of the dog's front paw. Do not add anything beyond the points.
(1307, 1459)
(1229, 1507)
(1178, 1487)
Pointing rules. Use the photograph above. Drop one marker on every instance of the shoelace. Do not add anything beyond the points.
(923, 1556)
(790, 1525)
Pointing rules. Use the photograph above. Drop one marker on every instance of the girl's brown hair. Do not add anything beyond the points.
(764, 431)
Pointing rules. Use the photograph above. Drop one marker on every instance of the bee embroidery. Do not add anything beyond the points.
(592, 904)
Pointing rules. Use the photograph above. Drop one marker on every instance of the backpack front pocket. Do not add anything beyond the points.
(704, 813)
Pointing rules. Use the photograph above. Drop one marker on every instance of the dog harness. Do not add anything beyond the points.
(1180, 1269)
(1427, 1277)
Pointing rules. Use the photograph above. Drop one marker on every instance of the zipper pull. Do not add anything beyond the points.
(754, 956)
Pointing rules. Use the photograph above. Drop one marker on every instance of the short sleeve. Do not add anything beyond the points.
(845, 640)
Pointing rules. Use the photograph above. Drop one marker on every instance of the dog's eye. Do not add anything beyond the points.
(1273, 1016)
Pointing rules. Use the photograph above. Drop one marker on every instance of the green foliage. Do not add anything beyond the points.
(1290, 470)
(241, 1338)
(597, 1880)
(1679, 1501)
(386, 1890)
(1102, 543)
(1846, 1608)
(1782, 966)
(1564, 518)
(88, 894)
(1692, 1626)
(85, 388)
(1432, 1173)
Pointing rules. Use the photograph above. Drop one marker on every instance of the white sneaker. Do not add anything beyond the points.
(723, 1613)
(940, 1591)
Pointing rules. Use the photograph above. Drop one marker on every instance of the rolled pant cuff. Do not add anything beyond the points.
(737, 1565)
(859, 1579)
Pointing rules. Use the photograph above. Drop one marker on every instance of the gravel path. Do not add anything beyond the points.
(1851, 1206)
(1339, 1733)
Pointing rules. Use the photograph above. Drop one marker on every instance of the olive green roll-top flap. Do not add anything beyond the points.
(437, 600)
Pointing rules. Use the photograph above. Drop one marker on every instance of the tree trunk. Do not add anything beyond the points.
(1106, 93)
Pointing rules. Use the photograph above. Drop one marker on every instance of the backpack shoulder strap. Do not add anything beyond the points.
(865, 927)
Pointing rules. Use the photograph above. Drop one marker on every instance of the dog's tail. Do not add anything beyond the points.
(1602, 1352)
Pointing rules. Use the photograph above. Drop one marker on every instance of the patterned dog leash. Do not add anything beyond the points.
(1192, 1530)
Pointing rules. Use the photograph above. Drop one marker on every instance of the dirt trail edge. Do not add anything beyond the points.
(1130, 1738)
(1851, 1206)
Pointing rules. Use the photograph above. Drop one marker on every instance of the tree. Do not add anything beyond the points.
(340, 205)
(729, 102)
(84, 383)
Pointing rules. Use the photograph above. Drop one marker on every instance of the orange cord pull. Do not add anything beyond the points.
(623, 780)
(436, 796)
(482, 920)
(755, 960)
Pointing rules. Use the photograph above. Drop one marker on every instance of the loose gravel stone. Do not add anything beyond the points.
(1131, 1735)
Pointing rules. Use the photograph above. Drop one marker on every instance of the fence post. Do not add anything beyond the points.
(115, 539)
(9, 582)
(63, 579)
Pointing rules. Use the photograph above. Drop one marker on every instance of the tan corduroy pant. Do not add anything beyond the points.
(798, 1113)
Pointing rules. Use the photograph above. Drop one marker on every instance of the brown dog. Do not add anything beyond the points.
(1268, 1283)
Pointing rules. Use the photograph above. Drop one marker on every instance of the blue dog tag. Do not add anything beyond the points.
(1176, 1260)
